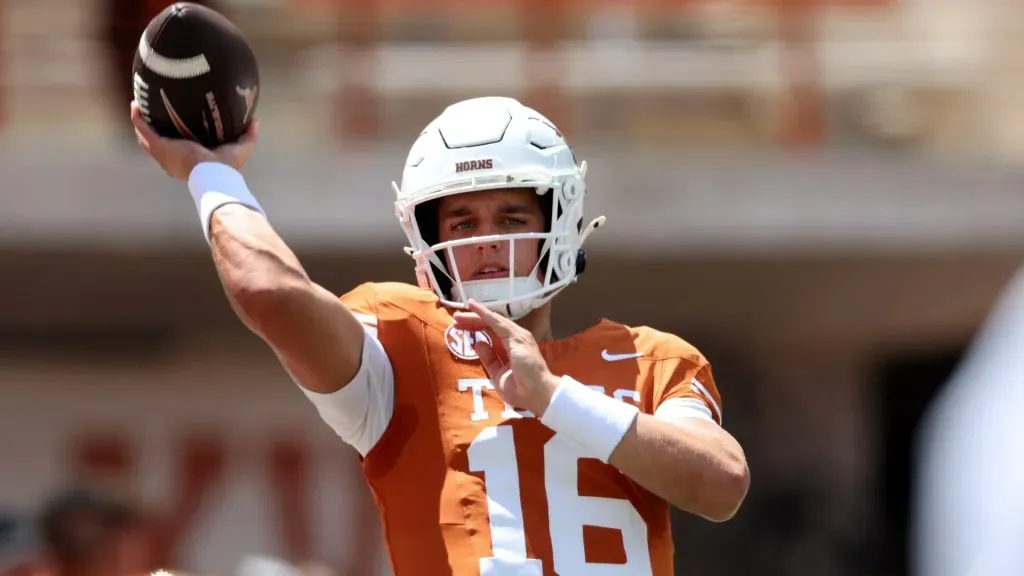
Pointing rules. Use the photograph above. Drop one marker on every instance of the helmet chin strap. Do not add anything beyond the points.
(503, 289)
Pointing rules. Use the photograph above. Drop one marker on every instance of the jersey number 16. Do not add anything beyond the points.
(493, 452)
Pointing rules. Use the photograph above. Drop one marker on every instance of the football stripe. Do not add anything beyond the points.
(177, 68)
(176, 119)
(141, 90)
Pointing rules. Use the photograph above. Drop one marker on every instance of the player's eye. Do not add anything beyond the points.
(514, 222)
(462, 226)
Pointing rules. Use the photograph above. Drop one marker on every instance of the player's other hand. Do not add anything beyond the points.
(514, 364)
(179, 157)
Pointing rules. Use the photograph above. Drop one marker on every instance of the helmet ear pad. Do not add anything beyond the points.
(581, 255)
(427, 221)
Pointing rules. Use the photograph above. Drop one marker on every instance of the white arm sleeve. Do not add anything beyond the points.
(969, 513)
(360, 412)
(703, 406)
(675, 410)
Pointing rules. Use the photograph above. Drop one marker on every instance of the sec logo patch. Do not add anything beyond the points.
(460, 342)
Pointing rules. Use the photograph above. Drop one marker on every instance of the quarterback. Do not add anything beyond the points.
(492, 447)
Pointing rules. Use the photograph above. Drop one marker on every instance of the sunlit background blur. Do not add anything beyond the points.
(825, 196)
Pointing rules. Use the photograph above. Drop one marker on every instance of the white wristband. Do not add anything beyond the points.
(213, 185)
(588, 417)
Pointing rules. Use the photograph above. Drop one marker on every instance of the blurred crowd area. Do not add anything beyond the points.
(824, 196)
(929, 75)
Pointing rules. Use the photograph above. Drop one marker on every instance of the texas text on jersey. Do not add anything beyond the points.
(465, 482)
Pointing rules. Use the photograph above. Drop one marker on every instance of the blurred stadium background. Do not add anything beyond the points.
(823, 195)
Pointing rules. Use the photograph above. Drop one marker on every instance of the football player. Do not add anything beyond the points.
(492, 447)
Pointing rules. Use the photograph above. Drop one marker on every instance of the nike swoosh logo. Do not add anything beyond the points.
(609, 357)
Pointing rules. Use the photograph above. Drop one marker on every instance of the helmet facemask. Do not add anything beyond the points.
(559, 258)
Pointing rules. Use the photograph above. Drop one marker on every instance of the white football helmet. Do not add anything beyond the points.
(487, 144)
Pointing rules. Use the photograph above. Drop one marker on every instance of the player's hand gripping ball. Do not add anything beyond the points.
(195, 76)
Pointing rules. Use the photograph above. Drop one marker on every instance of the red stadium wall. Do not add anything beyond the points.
(227, 461)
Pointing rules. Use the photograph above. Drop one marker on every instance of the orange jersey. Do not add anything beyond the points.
(467, 485)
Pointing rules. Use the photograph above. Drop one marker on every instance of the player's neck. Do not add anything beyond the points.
(538, 322)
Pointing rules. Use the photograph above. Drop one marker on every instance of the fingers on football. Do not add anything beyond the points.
(238, 153)
(142, 141)
(252, 133)
(248, 139)
(143, 132)
(141, 126)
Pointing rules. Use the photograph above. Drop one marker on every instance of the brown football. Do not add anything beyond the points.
(195, 76)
